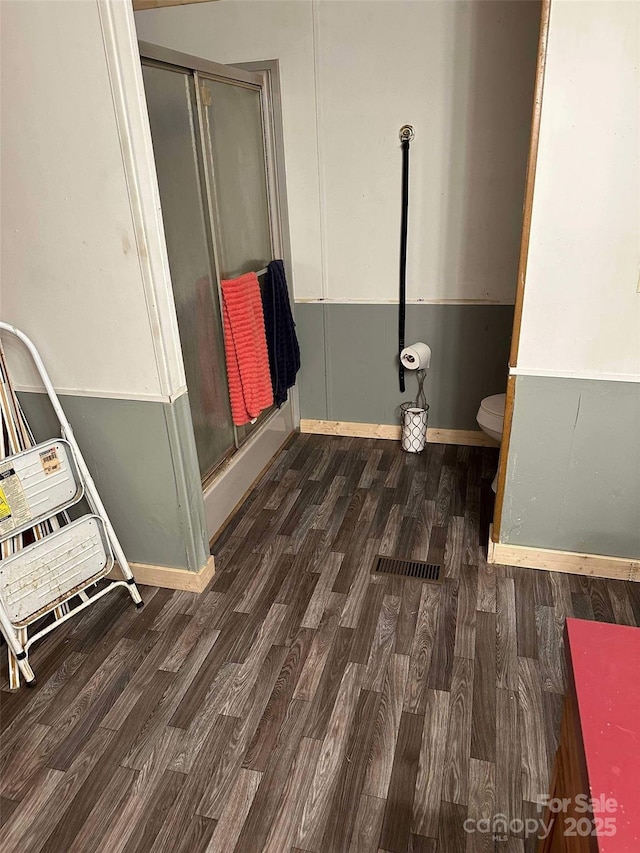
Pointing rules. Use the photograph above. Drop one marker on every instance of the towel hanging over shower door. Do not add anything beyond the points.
(245, 346)
(282, 341)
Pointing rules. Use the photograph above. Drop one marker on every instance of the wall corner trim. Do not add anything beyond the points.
(569, 562)
(130, 110)
(171, 578)
(435, 435)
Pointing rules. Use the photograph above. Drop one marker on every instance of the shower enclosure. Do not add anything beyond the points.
(212, 128)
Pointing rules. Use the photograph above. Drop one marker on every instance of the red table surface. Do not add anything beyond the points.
(606, 669)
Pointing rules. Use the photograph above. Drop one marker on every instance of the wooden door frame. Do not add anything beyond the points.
(522, 264)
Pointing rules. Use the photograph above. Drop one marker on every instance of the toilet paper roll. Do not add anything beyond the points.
(416, 357)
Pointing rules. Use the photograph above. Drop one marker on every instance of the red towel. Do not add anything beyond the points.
(245, 346)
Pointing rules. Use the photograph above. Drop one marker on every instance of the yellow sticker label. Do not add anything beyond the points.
(5, 509)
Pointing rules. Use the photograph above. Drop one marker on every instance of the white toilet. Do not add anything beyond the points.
(490, 419)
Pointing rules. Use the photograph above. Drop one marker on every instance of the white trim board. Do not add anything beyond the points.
(130, 108)
(327, 301)
(571, 562)
(466, 437)
(106, 395)
(566, 374)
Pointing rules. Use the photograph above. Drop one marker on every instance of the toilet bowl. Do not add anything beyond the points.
(490, 419)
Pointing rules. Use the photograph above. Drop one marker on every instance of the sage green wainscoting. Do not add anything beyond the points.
(142, 457)
(349, 360)
(573, 475)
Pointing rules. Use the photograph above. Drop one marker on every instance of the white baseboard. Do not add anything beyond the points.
(571, 562)
(468, 437)
(171, 578)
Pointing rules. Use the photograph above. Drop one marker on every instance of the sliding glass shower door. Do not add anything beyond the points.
(210, 145)
(234, 138)
(171, 101)
(236, 167)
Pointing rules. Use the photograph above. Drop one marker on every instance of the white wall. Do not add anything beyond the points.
(352, 74)
(71, 273)
(581, 313)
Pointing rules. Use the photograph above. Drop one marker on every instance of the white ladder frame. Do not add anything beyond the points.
(17, 639)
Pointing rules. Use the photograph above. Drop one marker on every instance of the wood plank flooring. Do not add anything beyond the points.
(302, 703)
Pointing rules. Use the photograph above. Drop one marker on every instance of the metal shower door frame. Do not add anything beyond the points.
(204, 69)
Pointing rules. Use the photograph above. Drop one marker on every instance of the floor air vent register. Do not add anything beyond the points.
(407, 568)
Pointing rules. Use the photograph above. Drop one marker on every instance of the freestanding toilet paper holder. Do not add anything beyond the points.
(414, 419)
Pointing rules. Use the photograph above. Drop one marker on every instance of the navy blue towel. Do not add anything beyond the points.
(282, 342)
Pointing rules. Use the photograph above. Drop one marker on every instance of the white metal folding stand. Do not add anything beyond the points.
(37, 486)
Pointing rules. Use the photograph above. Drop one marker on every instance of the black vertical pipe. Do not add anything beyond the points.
(403, 256)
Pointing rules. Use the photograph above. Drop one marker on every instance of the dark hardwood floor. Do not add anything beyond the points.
(302, 703)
